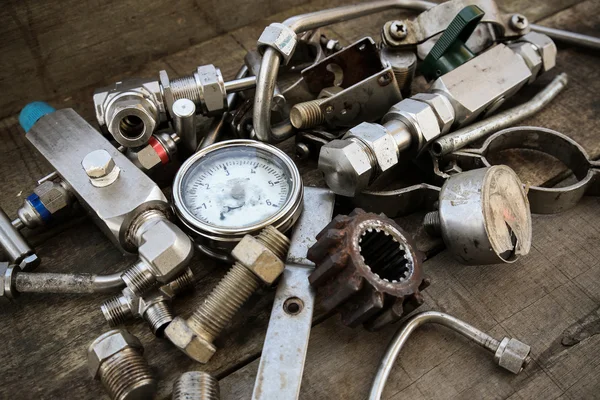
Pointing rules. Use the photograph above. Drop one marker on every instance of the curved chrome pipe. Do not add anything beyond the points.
(67, 283)
(508, 353)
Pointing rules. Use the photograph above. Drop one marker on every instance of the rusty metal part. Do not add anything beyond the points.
(368, 268)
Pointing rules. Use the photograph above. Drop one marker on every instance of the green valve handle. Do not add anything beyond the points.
(450, 50)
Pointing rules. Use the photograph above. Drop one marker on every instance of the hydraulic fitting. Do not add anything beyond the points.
(154, 307)
(279, 37)
(116, 359)
(160, 150)
(483, 216)
(477, 87)
(196, 385)
(259, 261)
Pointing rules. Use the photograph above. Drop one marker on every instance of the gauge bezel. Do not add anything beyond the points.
(282, 220)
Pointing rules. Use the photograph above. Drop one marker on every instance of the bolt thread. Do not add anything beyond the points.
(307, 114)
(158, 316)
(196, 385)
(224, 301)
(116, 311)
(275, 241)
(186, 88)
(139, 278)
(183, 283)
(432, 223)
(404, 77)
(125, 372)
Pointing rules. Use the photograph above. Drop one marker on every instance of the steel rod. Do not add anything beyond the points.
(67, 283)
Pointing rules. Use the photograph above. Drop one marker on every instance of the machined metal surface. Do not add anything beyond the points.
(368, 269)
(543, 200)
(196, 385)
(511, 354)
(484, 216)
(284, 351)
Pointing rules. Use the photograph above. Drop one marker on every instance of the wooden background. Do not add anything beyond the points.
(61, 51)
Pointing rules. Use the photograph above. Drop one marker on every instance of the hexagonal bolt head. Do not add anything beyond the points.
(512, 355)
(212, 86)
(281, 38)
(259, 259)
(53, 196)
(545, 47)
(531, 56)
(147, 158)
(100, 168)
(188, 341)
(379, 142)
(107, 345)
(347, 167)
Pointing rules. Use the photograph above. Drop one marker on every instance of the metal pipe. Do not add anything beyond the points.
(573, 38)
(240, 84)
(462, 137)
(67, 283)
(212, 136)
(271, 59)
(11, 241)
(502, 349)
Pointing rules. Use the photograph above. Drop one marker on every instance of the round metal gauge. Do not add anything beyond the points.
(234, 188)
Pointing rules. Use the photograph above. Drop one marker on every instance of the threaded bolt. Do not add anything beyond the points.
(158, 316)
(196, 385)
(116, 359)
(183, 282)
(432, 224)
(139, 278)
(234, 289)
(307, 114)
(116, 311)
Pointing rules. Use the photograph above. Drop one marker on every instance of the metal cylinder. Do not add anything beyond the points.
(12, 242)
(307, 114)
(240, 84)
(67, 283)
(573, 38)
(184, 121)
(196, 385)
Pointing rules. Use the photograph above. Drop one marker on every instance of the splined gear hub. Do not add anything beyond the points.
(368, 268)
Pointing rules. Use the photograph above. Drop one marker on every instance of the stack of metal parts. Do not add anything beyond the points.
(239, 199)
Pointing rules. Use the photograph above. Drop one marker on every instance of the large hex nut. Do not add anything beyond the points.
(530, 55)
(212, 86)
(512, 355)
(166, 249)
(545, 47)
(109, 344)
(132, 120)
(377, 139)
(258, 258)
(188, 341)
(53, 196)
(346, 166)
(441, 107)
(419, 116)
(281, 38)
(7, 283)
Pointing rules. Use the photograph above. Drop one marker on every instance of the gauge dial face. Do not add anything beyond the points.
(236, 187)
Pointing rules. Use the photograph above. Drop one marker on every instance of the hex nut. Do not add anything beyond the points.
(419, 116)
(530, 55)
(109, 344)
(512, 355)
(377, 139)
(212, 87)
(545, 47)
(53, 196)
(281, 38)
(441, 107)
(346, 166)
(188, 341)
(98, 164)
(7, 284)
(165, 249)
(148, 158)
(132, 121)
(29, 263)
(258, 258)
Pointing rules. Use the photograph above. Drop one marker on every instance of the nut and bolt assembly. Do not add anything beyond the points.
(116, 359)
(100, 167)
(196, 385)
(259, 261)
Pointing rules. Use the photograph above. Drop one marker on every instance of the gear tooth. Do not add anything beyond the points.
(362, 306)
(357, 211)
(328, 268)
(337, 291)
(330, 240)
(339, 222)
(425, 283)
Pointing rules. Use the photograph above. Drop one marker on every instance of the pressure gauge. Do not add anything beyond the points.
(234, 188)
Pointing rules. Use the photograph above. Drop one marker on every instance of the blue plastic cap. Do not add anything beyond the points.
(32, 112)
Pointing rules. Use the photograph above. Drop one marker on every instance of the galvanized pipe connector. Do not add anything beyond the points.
(259, 261)
(116, 359)
(196, 385)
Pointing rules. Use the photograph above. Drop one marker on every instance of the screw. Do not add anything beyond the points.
(116, 359)
(432, 224)
(307, 114)
(196, 385)
(100, 168)
(398, 30)
(195, 335)
(519, 22)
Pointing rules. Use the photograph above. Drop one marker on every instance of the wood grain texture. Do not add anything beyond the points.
(534, 300)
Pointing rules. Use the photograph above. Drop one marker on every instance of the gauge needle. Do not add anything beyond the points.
(227, 209)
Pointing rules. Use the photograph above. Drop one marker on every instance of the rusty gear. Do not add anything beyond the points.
(368, 268)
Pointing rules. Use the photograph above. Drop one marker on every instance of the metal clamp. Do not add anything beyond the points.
(542, 200)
